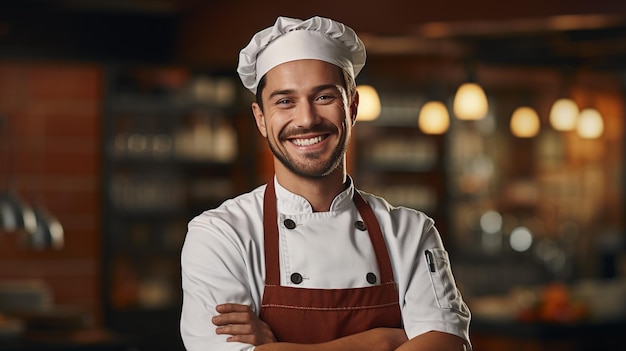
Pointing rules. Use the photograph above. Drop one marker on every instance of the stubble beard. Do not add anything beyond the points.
(311, 167)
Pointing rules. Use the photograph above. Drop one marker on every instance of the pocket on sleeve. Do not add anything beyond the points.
(444, 286)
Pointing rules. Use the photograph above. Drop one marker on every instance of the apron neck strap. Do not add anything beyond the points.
(270, 228)
(376, 237)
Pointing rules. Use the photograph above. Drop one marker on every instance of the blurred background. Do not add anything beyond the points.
(120, 120)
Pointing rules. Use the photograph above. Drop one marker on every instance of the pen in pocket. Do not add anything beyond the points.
(430, 260)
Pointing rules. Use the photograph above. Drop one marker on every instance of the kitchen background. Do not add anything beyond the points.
(121, 120)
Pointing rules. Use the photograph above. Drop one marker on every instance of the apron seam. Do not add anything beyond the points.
(332, 308)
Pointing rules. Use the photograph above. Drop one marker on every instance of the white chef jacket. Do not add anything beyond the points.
(223, 261)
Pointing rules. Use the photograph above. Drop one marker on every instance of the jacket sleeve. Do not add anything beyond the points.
(429, 297)
(213, 271)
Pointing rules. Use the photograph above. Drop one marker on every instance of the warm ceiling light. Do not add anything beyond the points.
(563, 115)
(470, 102)
(525, 122)
(590, 124)
(434, 118)
(369, 103)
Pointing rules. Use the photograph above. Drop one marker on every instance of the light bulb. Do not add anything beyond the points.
(470, 102)
(563, 115)
(434, 118)
(590, 124)
(525, 122)
(369, 103)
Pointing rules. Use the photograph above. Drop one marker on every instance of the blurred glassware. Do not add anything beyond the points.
(521, 239)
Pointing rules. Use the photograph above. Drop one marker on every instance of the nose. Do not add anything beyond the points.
(306, 115)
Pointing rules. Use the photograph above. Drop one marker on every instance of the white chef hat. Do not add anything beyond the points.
(291, 39)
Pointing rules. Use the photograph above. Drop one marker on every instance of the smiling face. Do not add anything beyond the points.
(306, 117)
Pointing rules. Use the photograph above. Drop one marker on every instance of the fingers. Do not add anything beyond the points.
(242, 325)
(249, 334)
(233, 314)
(234, 329)
(246, 339)
(232, 307)
(231, 318)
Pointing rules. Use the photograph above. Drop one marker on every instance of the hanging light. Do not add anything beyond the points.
(369, 103)
(470, 102)
(590, 124)
(563, 115)
(434, 118)
(525, 122)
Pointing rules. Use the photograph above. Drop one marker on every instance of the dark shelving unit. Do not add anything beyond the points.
(405, 166)
(173, 147)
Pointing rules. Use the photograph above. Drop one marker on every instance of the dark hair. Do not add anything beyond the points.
(259, 91)
(348, 83)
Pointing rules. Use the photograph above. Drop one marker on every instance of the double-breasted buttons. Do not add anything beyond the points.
(371, 278)
(296, 278)
(360, 225)
(289, 223)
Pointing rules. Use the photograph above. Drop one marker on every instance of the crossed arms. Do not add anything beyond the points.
(243, 325)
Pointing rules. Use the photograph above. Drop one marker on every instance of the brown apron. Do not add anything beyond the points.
(308, 316)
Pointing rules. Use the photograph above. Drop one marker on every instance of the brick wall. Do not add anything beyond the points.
(50, 114)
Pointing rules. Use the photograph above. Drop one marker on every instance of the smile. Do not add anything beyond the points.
(308, 141)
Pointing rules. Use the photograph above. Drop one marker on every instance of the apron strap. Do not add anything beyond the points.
(376, 236)
(270, 227)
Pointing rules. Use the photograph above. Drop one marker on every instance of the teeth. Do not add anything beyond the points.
(307, 142)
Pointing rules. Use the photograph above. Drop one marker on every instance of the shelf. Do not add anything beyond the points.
(169, 161)
(396, 167)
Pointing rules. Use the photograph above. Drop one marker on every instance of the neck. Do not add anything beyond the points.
(320, 192)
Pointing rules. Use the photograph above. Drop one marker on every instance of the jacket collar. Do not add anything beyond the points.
(290, 203)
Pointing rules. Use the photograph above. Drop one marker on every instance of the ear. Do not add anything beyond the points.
(354, 107)
(259, 118)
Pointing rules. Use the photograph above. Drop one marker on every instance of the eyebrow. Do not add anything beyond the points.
(281, 92)
(316, 89)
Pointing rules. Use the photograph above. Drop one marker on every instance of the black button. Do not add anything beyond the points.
(360, 225)
(289, 224)
(371, 278)
(296, 278)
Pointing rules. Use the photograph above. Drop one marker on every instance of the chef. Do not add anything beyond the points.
(308, 261)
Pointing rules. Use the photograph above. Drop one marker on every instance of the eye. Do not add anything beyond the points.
(284, 102)
(325, 98)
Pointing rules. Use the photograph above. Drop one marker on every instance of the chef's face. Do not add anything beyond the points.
(306, 116)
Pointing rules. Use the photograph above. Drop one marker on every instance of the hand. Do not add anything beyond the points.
(242, 324)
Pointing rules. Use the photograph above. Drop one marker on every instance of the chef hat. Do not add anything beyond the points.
(291, 39)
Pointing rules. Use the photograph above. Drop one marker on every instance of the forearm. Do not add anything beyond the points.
(434, 341)
(380, 339)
